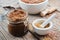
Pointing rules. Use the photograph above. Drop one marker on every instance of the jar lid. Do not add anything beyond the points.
(17, 15)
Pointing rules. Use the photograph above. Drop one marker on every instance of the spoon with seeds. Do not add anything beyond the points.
(48, 20)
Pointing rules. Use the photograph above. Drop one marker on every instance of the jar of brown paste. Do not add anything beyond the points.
(18, 22)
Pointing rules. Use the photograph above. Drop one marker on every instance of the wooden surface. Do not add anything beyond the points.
(5, 35)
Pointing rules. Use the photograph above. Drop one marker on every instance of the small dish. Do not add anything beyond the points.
(41, 31)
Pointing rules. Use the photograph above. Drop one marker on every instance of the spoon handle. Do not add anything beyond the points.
(35, 35)
(48, 20)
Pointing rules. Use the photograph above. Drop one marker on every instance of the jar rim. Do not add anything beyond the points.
(20, 20)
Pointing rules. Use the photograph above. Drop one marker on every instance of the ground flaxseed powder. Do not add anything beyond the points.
(17, 22)
(32, 1)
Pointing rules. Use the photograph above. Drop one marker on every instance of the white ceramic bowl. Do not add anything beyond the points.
(41, 31)
(33, 8)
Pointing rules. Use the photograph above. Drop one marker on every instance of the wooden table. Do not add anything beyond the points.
(5, 35)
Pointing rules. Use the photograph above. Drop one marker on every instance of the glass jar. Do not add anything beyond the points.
(18, 27)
